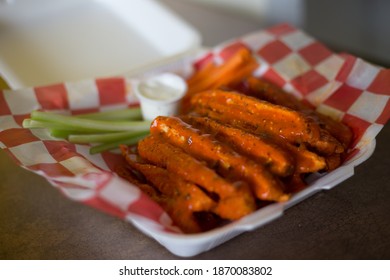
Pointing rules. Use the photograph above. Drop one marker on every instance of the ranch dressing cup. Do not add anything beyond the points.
(160, 95)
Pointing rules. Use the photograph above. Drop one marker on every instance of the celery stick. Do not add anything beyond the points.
(62, 133)
(104, 137)
(115, 144)
(58, 133)
(75, 123)
(130, 114)
(29, 123)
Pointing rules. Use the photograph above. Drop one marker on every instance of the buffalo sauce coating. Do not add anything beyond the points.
(263, 117)
(277, 154)
(178, 197)
(212, 75)
(233, 107)
(159, 152)
(205, 147)
(269, 92)
(278, 160)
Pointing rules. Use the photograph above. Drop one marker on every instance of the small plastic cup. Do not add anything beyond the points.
(160, 95)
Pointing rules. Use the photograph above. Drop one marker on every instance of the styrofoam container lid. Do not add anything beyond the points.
(44, 41)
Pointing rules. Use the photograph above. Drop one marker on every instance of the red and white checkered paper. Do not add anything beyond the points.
(342, 86)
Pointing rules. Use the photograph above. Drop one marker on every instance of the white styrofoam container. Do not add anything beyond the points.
(187, 245)
(45, 41)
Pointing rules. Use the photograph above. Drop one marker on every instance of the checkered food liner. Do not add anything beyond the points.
(340, 85)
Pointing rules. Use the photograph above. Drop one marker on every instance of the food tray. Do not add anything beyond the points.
(46, 41)
(342, 86)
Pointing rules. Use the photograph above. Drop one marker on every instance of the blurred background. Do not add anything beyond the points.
(48, 41)
(360, 27)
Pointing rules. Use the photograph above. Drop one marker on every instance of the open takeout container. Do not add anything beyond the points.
(342, 86)
(44, 42)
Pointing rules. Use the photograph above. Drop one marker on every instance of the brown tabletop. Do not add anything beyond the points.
(350, 221)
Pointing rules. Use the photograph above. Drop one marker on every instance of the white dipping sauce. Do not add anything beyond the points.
(160, 95)
(158, 90)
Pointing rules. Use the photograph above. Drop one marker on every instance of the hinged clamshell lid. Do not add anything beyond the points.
(45, 41)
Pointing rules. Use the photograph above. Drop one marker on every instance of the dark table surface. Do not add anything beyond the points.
(350, 221)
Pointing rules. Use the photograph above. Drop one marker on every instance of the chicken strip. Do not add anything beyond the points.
(240, 65)
(305, 160)
(161, 153)
(274, 119)
(263, 117)
(278, 160)
(182, 197)
(269, 92)
(205, 147)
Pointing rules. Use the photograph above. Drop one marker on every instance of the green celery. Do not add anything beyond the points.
(52, 126)
(75, 123)
(130, 114)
